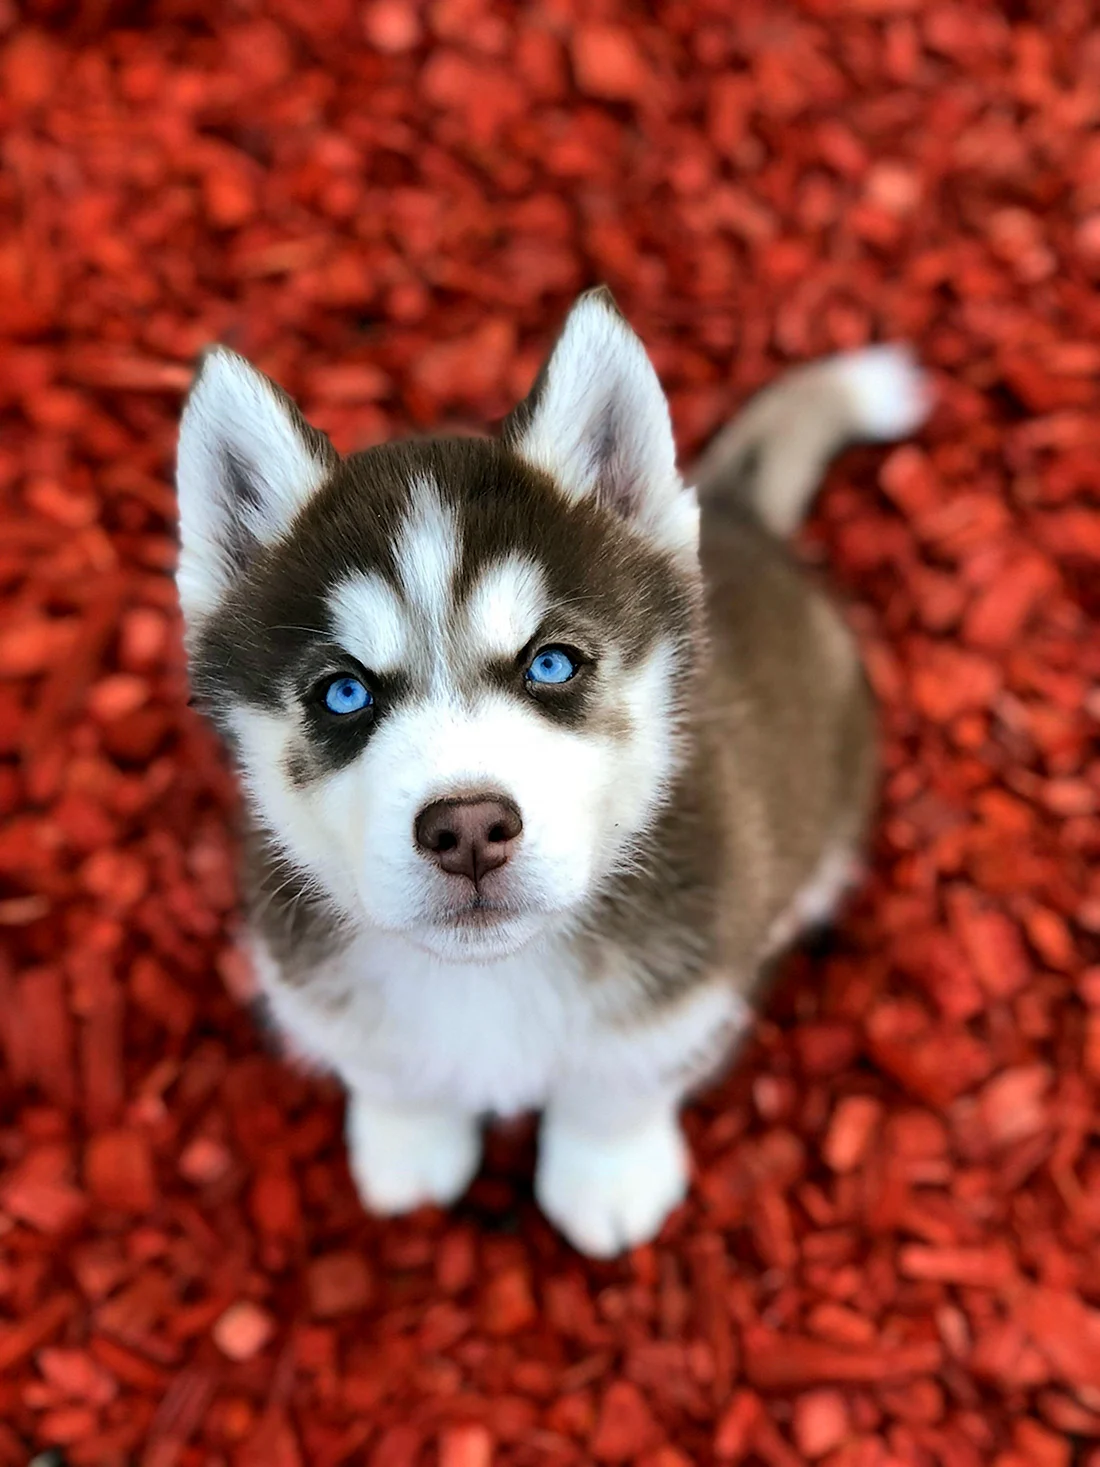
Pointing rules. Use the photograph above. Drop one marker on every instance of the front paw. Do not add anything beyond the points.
(608, 1194)
(404, 1159)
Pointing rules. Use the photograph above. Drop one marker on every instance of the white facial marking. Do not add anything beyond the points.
(506, 607)
(264, 739)
(370, 622)
(427, 555)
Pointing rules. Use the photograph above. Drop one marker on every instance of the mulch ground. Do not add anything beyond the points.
(892, 1250)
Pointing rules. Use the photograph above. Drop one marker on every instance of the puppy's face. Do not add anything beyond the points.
(452, 671)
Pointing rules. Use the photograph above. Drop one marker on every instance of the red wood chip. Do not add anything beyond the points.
(780, 1362)
(243, 1331)
(890, 1253)
(736, 1426)
(849, 1135)
(77, 1375)
(118, 1169)
(339, 1283)
(508, 1304)
(608, 64)
(990, 1268)
(624, 1426)
(204, 1161)
(465, 1446)
(820, 1423)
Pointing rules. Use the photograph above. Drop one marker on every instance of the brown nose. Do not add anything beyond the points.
(468, 837)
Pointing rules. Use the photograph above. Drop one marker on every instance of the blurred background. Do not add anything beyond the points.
(891, 1253)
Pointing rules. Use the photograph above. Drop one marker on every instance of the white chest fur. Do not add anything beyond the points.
(404, 1027)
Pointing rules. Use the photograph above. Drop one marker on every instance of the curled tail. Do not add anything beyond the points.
(772, 456)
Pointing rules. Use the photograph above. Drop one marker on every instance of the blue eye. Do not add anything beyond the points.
(551, 665)
(347, 695)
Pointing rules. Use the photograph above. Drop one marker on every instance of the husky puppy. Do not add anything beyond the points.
(544, 752)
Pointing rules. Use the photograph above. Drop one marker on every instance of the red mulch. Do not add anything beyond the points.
(892, 1254)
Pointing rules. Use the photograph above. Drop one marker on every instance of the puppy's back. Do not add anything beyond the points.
(783, 706)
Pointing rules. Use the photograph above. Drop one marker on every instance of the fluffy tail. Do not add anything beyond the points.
(772, 456)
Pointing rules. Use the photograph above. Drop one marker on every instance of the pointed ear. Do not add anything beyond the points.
(597, 422)
(247, 462)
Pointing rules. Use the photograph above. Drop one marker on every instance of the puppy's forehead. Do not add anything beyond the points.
(424, 619)
(426, 552)
(506, 605)
(370, 621)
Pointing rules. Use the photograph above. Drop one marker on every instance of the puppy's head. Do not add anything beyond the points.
(452, 671)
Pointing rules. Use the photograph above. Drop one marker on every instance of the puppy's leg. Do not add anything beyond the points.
(405, 1157)
(610, 1174)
